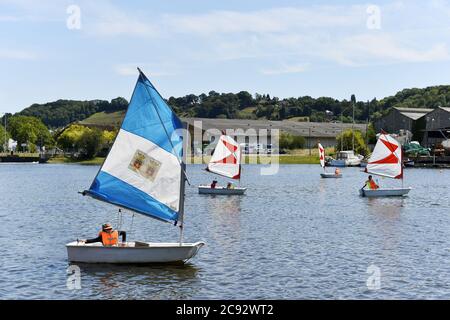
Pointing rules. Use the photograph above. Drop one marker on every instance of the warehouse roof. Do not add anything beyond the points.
(413, 113)
(305, 129)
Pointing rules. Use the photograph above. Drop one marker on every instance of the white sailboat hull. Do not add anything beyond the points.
(221, 190)
(327, 175)
(391, 192)
(130, 253)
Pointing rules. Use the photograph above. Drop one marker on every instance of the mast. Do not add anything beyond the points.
(353, 125)
(6, 143)
(183, 183)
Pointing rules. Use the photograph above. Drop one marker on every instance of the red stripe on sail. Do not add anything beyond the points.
(392, 147)
(238, 176)
(230, 159)
(390, 159)
(230, 146)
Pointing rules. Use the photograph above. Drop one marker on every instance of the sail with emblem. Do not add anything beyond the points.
(386, 159)
(144, 170)
(226, 159)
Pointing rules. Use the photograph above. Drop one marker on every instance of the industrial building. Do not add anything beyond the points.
(410, 119)
(437, 127)
(260, 131)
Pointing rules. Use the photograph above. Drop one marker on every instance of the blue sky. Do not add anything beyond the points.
(284, 48)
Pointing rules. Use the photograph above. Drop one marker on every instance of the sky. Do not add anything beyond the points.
(83, 50)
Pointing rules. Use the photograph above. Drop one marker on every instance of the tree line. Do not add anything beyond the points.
(243, 105)
(30, 127)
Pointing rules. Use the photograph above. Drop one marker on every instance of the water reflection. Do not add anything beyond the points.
(386, 214)
(230, 205)
(149, 282)
(317, 229)
(225, 227)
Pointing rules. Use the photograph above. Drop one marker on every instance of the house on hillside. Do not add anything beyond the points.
(411, 119)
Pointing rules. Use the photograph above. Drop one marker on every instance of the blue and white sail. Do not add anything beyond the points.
(144, 171)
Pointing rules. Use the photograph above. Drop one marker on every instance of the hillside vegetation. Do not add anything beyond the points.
(242, 105)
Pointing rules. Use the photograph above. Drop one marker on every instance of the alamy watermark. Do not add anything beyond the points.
(374, 280)
(73, 21)
(257, 146)
(73, 281)
(374, 19)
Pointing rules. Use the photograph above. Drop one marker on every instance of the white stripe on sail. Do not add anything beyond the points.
(146, 166)
(226, 159)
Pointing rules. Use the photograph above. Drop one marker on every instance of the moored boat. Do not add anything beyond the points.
(346, 158)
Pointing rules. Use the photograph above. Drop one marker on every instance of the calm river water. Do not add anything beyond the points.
(292, 236)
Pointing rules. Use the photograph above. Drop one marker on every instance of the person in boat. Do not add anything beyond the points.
(337, 171)
(370, 184)
(108, 236)
(230, 185)
(214, 184)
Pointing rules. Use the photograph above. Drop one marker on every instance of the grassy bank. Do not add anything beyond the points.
(303, 156)
(65, 160)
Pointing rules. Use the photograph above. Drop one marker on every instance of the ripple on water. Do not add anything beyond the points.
(293, 236)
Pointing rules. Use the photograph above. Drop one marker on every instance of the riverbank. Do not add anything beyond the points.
(247, 159)
(66, 160)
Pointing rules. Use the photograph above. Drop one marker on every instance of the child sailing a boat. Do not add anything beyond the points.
(370, 184)
(108, 236)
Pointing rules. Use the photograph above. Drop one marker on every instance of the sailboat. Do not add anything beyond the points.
(326, 174)
(385, 161)
(144, 172)
(225, 161)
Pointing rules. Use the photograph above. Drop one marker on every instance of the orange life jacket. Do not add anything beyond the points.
(110, 239)
(372, 185)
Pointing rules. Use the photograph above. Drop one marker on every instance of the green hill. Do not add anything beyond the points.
(62, 112)
(242, 105)
(104, 119)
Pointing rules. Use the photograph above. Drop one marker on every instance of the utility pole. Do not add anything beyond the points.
(353, 129)
(309, 141)
(367, 123)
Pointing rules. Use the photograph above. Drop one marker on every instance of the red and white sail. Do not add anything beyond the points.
(386, 159)
(322, 156)
(226, 159)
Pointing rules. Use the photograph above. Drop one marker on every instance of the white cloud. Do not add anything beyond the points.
(276, 20)
(369, 49)
(131, 70)
(16, 55)
(411, 32)
(285, 69)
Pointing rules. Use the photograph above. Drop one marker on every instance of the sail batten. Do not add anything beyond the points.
(386, 159)
(226, 159)
(143, 171)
